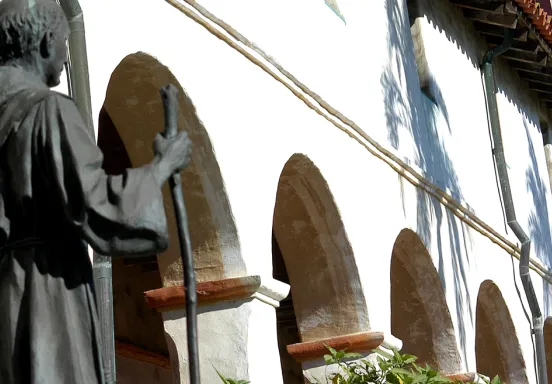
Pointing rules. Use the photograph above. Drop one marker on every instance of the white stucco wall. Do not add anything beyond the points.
(237, 339)
(365, 69)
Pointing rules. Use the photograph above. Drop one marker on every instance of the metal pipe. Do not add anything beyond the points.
(78, 64)
(79, 90)
(104, 302)
(498, 151)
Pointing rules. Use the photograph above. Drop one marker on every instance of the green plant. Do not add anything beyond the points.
(392, 368)
(226, 380)
(389, 368)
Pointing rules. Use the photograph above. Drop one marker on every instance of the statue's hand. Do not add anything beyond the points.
(171, 154)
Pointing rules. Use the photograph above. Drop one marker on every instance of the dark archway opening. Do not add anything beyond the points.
(288, 332)
(135, 322)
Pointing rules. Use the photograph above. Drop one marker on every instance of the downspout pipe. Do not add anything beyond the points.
(79, 88)
(498, 151)
(78, 60)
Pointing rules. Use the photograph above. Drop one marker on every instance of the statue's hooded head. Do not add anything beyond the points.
(33, 36)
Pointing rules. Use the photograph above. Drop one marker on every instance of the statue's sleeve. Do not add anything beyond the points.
(116, 214)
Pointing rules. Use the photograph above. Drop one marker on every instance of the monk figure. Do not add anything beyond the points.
(55, 200)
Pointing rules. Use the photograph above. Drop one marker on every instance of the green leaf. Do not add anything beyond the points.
(419, 379)
(430, 373)
(401, 371)
(496, 380)
(382, 353)
(332, 351)
(409, 359)
(487, 381)
(397, 356)
(351, 355)
(224, 380)
(328, 359)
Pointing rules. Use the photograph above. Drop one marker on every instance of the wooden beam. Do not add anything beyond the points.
(486, 6)
(545, 98)
(531, 68)
(520, 34)
(536, 77)
(505, 21)
(531, 45)
(540, 58)
(540, 88)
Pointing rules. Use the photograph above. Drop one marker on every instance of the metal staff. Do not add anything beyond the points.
(169, 95)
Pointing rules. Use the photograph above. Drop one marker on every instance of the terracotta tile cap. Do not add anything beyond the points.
(538, 17)
(207, 292)
(357, 342)
(465, 377)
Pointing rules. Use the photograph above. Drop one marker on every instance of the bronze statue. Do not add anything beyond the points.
(54, 200)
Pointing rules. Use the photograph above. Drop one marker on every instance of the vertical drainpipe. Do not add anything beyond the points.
(79, 86)
(498, 151)
(547, 141)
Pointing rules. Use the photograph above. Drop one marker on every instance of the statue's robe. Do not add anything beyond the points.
(54, 200)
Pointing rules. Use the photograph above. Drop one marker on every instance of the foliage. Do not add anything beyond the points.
(226, 380)
(394, 368)
(389, 368)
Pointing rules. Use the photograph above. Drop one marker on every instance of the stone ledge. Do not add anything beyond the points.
(358, 342)
(466, 377)
(270, 291)
(136, 353)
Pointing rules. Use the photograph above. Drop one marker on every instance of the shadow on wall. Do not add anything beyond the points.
(539, 223)
(416, 106)
(497, 348)
(419, 312)
(134, 106)
(327, 294)
(421, 114)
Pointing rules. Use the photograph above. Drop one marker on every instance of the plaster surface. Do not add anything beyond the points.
(234, 337)
(366, 68)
